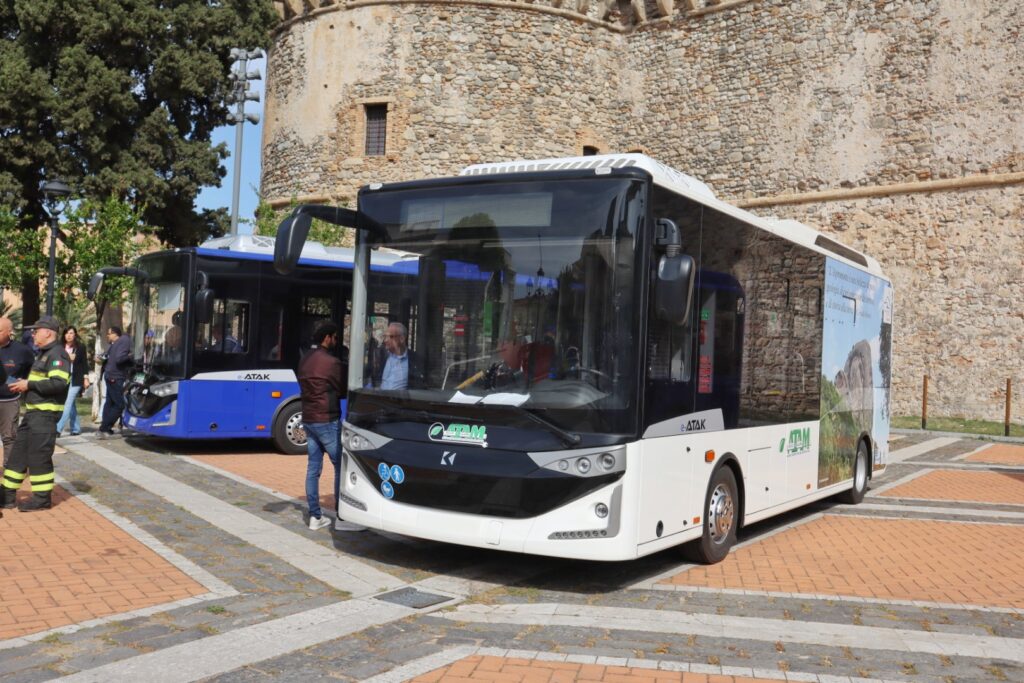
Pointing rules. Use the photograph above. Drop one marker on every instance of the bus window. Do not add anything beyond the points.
(228, 333)
(315, 309)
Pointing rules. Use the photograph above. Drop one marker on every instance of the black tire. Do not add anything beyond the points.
(288, 435)
(721, 518)
(861, 474)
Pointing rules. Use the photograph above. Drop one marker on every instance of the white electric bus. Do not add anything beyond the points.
(605, 360)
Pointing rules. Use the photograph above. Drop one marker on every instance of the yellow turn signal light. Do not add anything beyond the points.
(275, 394)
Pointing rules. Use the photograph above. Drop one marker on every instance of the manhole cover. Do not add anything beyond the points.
(410, 597)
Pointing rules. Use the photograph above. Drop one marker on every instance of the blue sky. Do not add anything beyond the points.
(217, 197)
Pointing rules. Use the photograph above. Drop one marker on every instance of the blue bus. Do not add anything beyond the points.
(218, 333)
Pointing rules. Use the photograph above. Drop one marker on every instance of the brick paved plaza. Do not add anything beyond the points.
(181, 562)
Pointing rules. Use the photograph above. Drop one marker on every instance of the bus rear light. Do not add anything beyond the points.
(709, 456)
(275, 394)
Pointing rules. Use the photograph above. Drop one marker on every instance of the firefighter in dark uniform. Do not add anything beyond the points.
(45, 392)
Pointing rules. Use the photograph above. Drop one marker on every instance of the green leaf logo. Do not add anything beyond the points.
(782, 445)
(435, 430)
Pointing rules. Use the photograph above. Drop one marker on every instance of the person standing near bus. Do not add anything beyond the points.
(79, 380)
(45, 391)
(116, 367)
(321, 377)
(17, 359)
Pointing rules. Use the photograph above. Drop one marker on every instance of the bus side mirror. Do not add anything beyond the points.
(673, 291)
(94, 286)
(204, 305)
(291, 236)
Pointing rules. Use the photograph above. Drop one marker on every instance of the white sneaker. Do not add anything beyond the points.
(319, 522)
(342, 525)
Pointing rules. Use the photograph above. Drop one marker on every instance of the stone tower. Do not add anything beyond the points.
(894, 125)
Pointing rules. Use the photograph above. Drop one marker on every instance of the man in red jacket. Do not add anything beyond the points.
(322, 384)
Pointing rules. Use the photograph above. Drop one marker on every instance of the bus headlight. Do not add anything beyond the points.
(164, 390)
(601, 510)
(606, 461)
(583, 465)
(352, 441)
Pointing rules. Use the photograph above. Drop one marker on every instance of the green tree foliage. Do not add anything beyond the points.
(23, 256)
(97, 234)
(267, 220)
(119, 97)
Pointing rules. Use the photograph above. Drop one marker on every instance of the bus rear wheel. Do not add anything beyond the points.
(861, 467)
(721, 517)
(289, 435)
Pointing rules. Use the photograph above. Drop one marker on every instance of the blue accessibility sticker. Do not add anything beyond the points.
(387, 489)
(383, 471)
(397, 474)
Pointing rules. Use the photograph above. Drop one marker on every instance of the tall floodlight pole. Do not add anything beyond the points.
(239, 95)
(53, 191)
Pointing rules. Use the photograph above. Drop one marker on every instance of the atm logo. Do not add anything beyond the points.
(799, 441)
(473, 435)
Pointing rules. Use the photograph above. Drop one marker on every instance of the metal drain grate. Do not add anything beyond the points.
(410, 597)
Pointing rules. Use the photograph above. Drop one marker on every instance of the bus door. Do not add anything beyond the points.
(221, 397)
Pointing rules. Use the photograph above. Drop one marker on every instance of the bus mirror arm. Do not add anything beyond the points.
(96, 282)
(294, 229)
(673, 292)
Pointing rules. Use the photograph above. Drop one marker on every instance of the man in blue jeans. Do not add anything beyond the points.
(322, 384)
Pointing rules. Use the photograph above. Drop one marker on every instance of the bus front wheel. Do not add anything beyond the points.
(721, 517)
(289, 435)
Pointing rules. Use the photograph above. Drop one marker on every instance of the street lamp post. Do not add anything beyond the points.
(238, 96)
(53, 192)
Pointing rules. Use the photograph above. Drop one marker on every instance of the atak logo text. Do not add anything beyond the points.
(474, 435)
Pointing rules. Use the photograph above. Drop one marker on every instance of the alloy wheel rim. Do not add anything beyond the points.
(861, 476)
(720, 514)
(294, 431)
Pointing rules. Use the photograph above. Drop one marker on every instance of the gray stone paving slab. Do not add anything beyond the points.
(342, 573)
(912, 451)
(864, 637)
(218, 654)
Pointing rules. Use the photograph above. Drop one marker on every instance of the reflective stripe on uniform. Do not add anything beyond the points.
(42, 482)
(53, 407)
(66, 376)
(12, 479)
(36, 376)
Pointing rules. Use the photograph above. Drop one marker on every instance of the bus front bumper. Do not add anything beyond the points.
(574, 530)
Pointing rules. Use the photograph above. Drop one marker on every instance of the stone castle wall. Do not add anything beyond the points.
(894, 125)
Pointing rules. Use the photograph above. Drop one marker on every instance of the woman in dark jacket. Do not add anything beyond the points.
(79, 380)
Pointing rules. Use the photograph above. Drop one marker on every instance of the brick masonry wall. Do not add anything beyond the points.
(761, 99)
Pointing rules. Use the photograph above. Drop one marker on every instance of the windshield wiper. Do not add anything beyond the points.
(569, 438)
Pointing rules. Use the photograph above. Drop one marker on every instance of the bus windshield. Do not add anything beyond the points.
(522, 308)
(158, 306)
